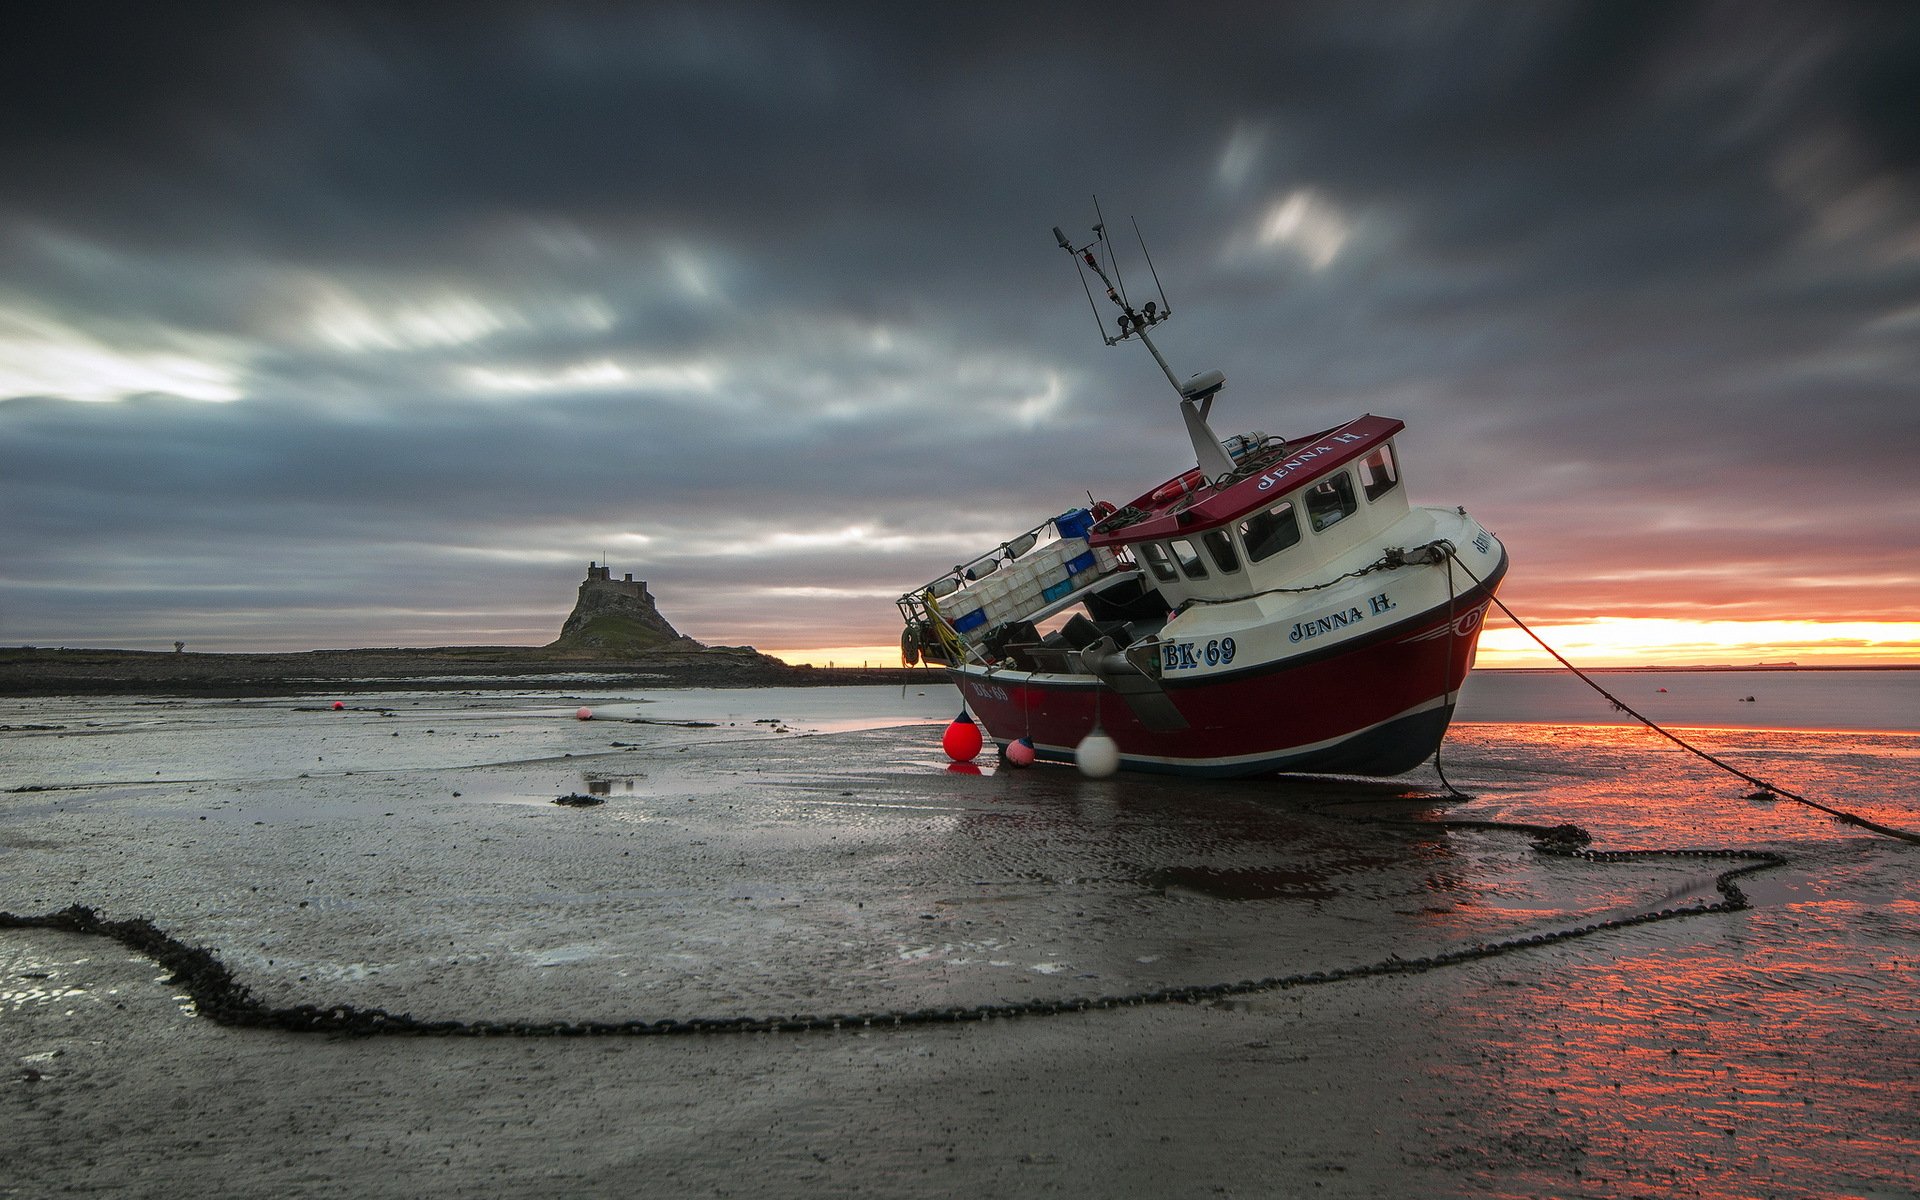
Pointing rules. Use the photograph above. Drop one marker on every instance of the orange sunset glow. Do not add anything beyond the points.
(1666, 642)
(1604, 642)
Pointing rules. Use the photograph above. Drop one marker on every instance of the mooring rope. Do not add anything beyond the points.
(1446, 682)
(1844, 817)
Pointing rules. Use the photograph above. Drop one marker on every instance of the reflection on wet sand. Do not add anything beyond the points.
(408, 856)
(1769, 1052)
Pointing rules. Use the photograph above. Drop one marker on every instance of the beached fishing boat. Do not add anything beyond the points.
(1279, 607)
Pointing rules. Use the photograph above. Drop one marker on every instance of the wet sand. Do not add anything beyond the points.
(404, 853)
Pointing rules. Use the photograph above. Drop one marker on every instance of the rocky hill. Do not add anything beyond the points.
(616, 618)
(614, 634)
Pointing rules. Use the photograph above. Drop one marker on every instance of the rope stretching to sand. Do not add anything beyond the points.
(1845, 818)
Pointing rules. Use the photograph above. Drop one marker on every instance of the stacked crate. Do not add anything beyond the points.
(1038, 578)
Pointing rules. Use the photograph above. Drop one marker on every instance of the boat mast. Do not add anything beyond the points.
(1197, 393)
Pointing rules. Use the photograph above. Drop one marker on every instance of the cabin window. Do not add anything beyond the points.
(1159, 561)
(1221, 547)
(1331, 501)
(1267, 534)
(1189, 558)
(1377, 473)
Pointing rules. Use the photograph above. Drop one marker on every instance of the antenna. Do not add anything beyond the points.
(1132, 322)
(1166, 310)
(1087, 287)
(1196, 395)
(1112, 258)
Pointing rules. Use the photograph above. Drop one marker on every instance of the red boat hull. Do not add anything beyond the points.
(1377, 705)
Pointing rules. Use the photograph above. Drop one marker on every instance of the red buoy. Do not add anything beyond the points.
(338, 705)
(585, 713)
(1020, 752)
(962, 738)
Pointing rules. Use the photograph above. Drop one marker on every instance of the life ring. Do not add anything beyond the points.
(1168, 493)
(1101, 511)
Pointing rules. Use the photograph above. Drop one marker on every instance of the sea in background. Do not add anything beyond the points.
(183, 739)
(1876, 700)
(1872, 700)
(1748, 699)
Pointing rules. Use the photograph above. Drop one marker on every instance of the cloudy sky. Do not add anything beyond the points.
(326, 326)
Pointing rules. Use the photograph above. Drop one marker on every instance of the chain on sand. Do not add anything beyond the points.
(217, 995)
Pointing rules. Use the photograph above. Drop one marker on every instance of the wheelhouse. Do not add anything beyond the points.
(1292, 513)
(1296, 509)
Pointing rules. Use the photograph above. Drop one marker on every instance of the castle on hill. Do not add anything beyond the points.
(598, 574)
(618, 617)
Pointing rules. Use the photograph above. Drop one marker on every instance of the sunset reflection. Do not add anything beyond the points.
(1715, 1052)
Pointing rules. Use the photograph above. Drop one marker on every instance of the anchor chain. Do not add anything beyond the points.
(221, 998)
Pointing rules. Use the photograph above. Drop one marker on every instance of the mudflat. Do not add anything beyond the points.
(404, 852)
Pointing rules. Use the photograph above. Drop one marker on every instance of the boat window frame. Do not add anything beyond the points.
(1385, 458)
(1191, 564)
(1160, 561)
(1219, 544)
(1341, 484)
(1282, 513)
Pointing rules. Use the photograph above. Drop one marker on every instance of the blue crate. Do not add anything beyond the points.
(1082, 563)
(1053, 592)
(972, 620)
(1074, 523)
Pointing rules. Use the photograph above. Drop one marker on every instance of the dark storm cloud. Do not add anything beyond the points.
(760, 300)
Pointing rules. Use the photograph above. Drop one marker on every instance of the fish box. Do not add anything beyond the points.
(1074, 523)
(1027, 597)
(993, 595)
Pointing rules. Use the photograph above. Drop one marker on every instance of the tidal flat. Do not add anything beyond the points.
(769, 852)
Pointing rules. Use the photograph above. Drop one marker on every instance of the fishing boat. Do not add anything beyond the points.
(1280, 607)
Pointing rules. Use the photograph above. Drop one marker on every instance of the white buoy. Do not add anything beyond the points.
(1096, 755)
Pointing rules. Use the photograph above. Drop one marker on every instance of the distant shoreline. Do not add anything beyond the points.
(26, 671)
(32, 671)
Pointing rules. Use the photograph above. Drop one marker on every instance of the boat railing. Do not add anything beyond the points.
(1022, 579)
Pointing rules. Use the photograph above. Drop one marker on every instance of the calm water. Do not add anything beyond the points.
(1827, 700)
(1837, 700)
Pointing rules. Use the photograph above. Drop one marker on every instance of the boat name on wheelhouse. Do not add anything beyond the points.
(1304, 457)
